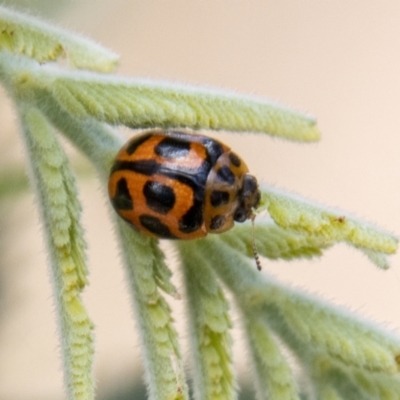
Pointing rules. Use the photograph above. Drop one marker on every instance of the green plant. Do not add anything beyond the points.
(342, 356)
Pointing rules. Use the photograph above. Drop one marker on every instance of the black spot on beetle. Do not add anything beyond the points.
(240, 214)
(214, 149)
(234, 159)
(155, 226)
(217, 222)
(249, 185)
(193, 219)
(159, 197)
(136, 141)
(122, 199)
(172, 148)
(226, 175)
(219, 198)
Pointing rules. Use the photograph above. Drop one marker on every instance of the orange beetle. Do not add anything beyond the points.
(178, 185)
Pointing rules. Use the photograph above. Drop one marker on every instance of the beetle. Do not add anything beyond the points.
(175, 184)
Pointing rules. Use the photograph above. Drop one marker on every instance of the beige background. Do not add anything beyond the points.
(338, 60)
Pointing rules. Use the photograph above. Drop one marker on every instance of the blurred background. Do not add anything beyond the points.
(337, 60)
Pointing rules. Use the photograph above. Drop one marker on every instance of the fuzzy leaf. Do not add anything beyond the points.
(349, 382)
(293, 212)
(275, 242)
(23, 34)
(140, 103)
(210, 330)
(60, 209)
(274, 377)
(147, 273)
(307, 325)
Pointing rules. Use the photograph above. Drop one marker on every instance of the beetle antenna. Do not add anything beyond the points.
(253, 243)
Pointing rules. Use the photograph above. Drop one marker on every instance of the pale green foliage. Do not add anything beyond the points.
(327, 342)
(140, 103)
(301, 215)
(25, 35)
(147, 272)
(210, 322)
(274, 375)
(57, 197)
(341, 356)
